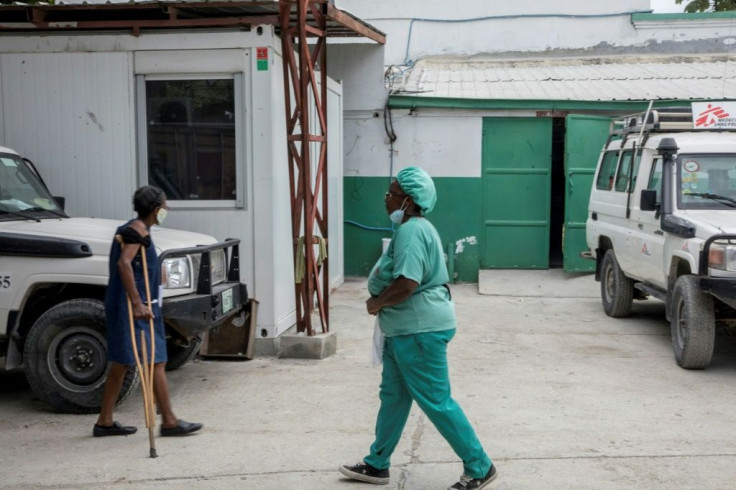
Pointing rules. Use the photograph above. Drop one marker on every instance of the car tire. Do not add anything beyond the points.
(693, 325)
(179, 355)
(65, 357)
(617, 290)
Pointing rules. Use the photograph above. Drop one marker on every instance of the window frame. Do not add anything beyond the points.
(142, 138)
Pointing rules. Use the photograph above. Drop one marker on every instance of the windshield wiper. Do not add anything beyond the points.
(19, 215)
(716, 197)
(37, 209)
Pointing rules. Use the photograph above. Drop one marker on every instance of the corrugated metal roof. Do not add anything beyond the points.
(156, 14)
(593, 79)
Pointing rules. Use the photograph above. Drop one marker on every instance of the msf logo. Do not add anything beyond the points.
(710, 116)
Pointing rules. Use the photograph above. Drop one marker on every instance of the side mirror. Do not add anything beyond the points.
(648, 200)
(678, 226)
(61, 201)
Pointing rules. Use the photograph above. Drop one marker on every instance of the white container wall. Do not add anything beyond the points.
(72, 104)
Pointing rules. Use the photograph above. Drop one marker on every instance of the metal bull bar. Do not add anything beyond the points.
(193, 314)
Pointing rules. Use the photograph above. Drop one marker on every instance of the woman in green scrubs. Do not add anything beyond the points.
(409, 293)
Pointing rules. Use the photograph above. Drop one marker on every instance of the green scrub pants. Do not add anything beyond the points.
(415, 368)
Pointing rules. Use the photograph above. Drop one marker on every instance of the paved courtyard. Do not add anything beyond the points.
(562, 396)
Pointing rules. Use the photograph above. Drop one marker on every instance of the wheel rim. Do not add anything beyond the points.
(610, 284)
(681, 324)
(77, 359)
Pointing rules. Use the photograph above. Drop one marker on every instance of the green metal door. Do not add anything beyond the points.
(584, 138)
(516, 159)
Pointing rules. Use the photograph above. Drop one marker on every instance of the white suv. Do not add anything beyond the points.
(662, 223)
(53, 274)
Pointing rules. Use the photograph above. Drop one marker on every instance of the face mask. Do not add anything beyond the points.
(397, 217)
(161, 216)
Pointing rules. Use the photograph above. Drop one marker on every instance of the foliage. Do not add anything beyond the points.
(693, 6)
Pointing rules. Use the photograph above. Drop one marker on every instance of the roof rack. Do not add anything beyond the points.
(666, 119)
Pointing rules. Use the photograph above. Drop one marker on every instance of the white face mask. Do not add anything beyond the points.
(397, 217)
(161, 216)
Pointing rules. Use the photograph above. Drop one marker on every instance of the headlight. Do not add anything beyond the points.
(722, 257)
(219, 266)
(176, 273)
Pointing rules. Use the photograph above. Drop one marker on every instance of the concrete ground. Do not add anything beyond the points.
(562, 396)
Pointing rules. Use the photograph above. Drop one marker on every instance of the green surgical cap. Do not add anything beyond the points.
(418, 184)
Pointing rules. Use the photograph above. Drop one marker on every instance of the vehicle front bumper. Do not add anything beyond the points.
(195, 314)
(211, 304)
(722, 288)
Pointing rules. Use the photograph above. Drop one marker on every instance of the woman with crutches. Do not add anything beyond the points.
(127, 293)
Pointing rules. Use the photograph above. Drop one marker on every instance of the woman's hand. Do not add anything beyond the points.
(397, 292)
(142, 312)
(373, 305)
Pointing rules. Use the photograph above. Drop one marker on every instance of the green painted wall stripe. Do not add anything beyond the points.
(412, 102)
(684, 16)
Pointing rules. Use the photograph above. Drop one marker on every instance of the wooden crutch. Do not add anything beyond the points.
(150, 407)
(142, 367)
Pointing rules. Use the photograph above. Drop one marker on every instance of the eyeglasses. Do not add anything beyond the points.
(390, 194)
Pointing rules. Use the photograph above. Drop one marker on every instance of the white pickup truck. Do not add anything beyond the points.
(662, 221)
(53, 275)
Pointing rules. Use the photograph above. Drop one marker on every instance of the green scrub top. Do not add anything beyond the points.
(416, 253)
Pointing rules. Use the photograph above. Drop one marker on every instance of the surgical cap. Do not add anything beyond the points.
(417, 183)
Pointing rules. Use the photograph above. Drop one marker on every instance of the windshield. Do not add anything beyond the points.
(22, 195)
(706, 181)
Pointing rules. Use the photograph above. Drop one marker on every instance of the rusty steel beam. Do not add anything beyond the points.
(346, 20)
(138, 24)
(308, 193)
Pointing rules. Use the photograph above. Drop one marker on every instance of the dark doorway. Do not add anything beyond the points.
(557, 194)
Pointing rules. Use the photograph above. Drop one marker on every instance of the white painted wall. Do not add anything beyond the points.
(467, 27)
(486, 29)
(335, 249)
(359, 67)
(72, 115)
(422, 140)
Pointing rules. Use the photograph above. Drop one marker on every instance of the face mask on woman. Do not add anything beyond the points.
(161, 215)
(397, 217)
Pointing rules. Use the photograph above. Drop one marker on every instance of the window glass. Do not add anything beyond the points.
(607, 171)
(707, 181)
(655, 178)
(625, 170)
(190, 126)
(622, 178)
(21, 191)
(635, 172)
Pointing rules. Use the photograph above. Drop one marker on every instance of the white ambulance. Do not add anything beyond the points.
(662, 221)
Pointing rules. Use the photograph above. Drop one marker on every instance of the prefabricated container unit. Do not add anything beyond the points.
(199, 113)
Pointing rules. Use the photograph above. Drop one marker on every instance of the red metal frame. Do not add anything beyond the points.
(304, 97)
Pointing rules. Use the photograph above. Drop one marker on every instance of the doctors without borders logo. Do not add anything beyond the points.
(714, 115)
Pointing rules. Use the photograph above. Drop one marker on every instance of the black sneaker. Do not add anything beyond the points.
(467, 483)
(365, 472)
